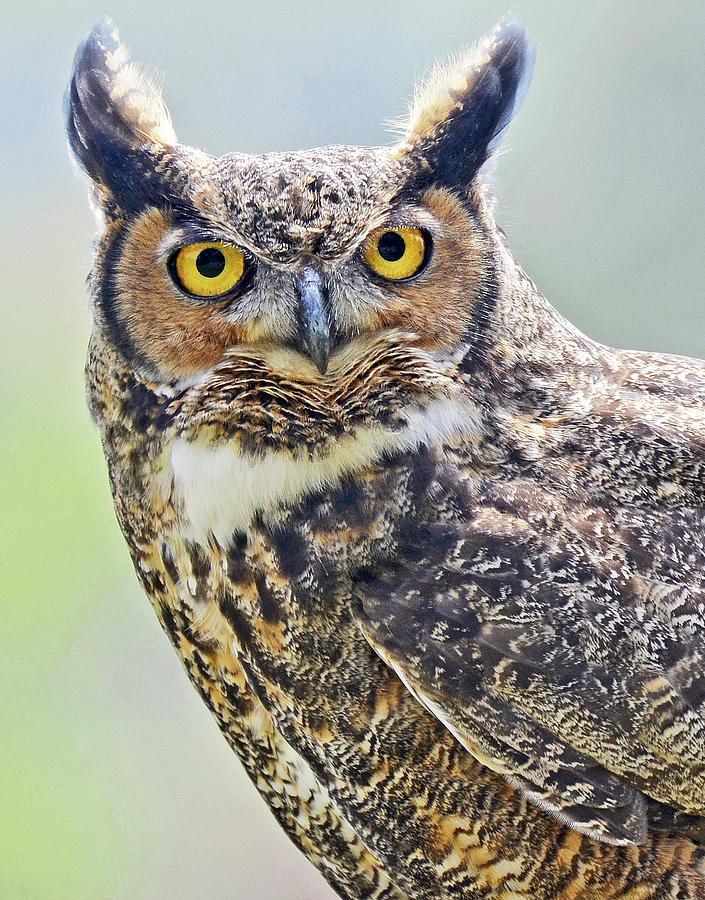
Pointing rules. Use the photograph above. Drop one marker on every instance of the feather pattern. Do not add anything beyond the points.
(446, 600)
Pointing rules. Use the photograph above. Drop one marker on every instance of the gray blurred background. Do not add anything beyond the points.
(114, 780)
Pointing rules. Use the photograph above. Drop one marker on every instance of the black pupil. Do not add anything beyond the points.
(391, 246)
(210, 262)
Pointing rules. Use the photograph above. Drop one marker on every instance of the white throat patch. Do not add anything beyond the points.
(218, 489)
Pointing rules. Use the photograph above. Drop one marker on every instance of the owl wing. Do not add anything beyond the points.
(551, 666)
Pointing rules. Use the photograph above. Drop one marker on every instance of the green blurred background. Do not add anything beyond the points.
(114, 781)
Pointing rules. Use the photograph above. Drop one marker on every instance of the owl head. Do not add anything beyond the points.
(301, 265)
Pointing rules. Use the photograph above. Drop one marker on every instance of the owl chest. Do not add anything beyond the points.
(264, 618)
(214, 606)
(248, 566)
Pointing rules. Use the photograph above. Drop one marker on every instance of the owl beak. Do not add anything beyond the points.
(314, 319)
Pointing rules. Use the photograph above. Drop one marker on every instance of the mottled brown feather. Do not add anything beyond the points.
(450, 589)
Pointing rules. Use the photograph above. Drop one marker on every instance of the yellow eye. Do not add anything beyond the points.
(396, 253)
(208, 269)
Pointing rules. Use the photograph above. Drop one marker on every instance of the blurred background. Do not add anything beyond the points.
(114, 780)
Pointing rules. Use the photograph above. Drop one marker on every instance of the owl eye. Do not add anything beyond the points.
(207, 269)
(397, 253)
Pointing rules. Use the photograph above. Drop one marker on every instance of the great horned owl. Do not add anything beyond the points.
(432, 557)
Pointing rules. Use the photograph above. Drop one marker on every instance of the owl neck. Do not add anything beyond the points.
(523, 357)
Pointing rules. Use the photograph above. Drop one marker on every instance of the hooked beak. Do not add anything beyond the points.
(314, 320)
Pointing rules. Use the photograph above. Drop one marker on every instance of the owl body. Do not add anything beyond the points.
(432, 557)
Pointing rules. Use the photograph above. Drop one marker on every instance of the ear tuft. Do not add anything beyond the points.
(117, 124)
(111, 104)
(459, 114)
